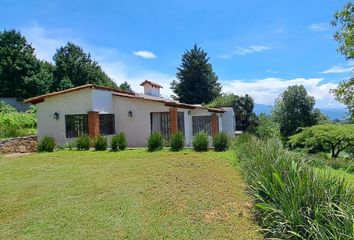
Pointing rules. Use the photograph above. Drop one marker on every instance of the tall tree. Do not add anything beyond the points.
(22, 75)
(196, 81)
(125, 86)
(73, 67)
(294, 109)
(344, 22)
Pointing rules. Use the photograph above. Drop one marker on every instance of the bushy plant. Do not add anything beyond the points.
(177, 141)
(200, 142)
(155, 142)
(119, 142)
(83, 143)
(16, 124)
(46, 144)
(100, 143)
(292, 199)
(221, 142)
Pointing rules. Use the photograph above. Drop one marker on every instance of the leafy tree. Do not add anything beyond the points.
(22, 75)
(266, 127)
(336, 137)
(196, 81)
(125, 86)
(344, 22)
(294, 109)
(73, 67)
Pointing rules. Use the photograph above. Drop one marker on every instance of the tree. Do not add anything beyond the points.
(125, 86)
(196, 81)
(344, 21)
(22, 75)
(294, 109)
(243, 107)
(336, 137)
(73, 67)
(266, 127)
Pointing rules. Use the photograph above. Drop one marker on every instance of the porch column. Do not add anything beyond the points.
(214, 124)
(93, 124)
(173, 120)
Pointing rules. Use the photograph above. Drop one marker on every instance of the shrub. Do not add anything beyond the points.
(119, 142)
(221, 142)
(200, 142)
(16, 124)
(177, 141)
(155, 142)
(83, 143)
(100, 143)
(292, 199)
(46, 144)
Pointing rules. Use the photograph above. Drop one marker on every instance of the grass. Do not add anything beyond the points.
(341, 173)
(132, 194)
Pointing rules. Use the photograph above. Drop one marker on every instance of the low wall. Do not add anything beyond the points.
(18, 145)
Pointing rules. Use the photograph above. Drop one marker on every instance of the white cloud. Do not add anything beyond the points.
(339, 69)
(244, 51)
(318, 27)
(272, 71)
(265, 91)
(145, 54)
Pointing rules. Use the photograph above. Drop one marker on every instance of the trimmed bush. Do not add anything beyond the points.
(177, 141)
(47, 144)
(155, 142)
(83, 143)
(221, 142)
(200, 142)
(119, 142)
(100, 143)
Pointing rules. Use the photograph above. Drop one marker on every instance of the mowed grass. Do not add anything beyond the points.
(125, 195)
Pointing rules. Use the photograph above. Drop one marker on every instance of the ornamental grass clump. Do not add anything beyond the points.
(155, 142)
(46, 144)
(200, 142)
(83, 143)
(221, 142)
(100, 143)
(119, 142)
(177, 141)
(292, 199)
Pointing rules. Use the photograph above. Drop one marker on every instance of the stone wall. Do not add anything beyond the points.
(18, 145)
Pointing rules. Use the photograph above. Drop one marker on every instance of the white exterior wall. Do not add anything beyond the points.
(102, 101)
(228, 121)
(151, 90)
(78, 102)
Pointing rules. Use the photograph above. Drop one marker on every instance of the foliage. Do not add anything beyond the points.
(177, 141)
(73, 67)
(221, 142)
(200, 142)
(243, 107)
(196, 81)
(46, 144)
(344, 93)
(119, 142)
(125, 86)
(100, 143)
(17, 124)
(294, 109)
(294, 200)
(83, 143)
(6, 108)
(266, 127)
(336, 137)
(155, 142)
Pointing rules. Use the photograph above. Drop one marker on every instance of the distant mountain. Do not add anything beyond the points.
(332, 113)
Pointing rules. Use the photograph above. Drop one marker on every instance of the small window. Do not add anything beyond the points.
(201, 123)
(181, 122)
(107, 124)
(76, 125)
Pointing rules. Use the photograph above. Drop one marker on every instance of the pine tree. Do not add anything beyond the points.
(196, 81)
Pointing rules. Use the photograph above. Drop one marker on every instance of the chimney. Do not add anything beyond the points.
(151, 88)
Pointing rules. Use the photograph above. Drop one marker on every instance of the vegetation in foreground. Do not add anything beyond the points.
(293, 199)
(131, 194)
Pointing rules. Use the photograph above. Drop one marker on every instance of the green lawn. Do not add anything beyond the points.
(126, 195)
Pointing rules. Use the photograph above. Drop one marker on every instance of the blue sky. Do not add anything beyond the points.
(256, 47)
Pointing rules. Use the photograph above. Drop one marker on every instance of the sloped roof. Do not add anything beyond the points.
(151, 83)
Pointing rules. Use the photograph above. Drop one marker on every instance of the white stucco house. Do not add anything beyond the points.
(98, 110)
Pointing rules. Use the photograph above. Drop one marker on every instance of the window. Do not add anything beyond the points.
(107, 124)
(76, 125)
(201, 123)
(181, 122)
(165, 125)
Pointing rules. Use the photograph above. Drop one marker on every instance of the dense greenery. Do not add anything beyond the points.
(200, 142)
(221, 142)
(47, 144)
(294, 109)
(119, 142)
(100, 143)
(294, 200)
(155, 142)
(266, 127)
(125, 86)
(83, 143)
(336, 137)
(177, 141)
(196, 81)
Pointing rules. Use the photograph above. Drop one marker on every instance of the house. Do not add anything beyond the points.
(98, 110)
